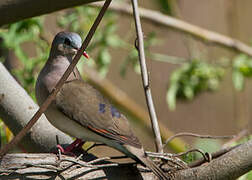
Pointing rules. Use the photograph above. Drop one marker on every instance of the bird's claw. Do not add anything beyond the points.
(72, 150)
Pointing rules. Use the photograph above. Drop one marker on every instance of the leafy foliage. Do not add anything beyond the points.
(205, 145)
(242, 68)
(17, 34)
(81, 19)
(106, 38)
(166, 6)
(191, 79)
(190, 157)
(3, 137)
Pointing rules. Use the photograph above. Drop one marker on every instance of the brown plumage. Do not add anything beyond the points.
(80, 110)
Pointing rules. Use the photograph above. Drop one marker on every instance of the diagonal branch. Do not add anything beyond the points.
(229, 166)
(16, 10)
(145, 79)
(17, 108)
(213, 156)
(184, 27)
(51, 97)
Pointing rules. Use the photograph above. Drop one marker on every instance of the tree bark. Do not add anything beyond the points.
(17, 108)
(48, 166)
(228, 167)
(15, 10)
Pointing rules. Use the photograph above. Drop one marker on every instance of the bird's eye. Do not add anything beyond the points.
(67, 42)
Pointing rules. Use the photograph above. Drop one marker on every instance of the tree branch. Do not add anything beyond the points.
(184, 27)
(213, 156)
(15, 10)
(56, 89)
(145, 79)
(17, 107)
(229, 166)
(48, 166)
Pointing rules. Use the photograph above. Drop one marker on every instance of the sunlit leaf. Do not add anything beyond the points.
(171, 96)
(191, 79)
(238, 80)
(242, 68)
(165, 6)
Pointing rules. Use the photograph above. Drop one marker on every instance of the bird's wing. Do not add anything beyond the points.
(86, 106)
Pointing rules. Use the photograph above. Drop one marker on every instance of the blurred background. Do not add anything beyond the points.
(197, 86)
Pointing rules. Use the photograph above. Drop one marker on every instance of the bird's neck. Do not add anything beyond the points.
(57, 67)
(56, 54)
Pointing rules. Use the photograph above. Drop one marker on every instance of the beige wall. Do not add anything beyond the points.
(210, 113)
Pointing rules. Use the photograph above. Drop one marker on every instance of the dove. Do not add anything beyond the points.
(82, 111)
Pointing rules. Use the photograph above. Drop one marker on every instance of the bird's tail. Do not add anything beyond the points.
(139, 153)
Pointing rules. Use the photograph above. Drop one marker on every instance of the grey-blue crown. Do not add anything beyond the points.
(74, 38)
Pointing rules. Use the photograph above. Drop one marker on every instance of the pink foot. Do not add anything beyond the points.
(69, 150)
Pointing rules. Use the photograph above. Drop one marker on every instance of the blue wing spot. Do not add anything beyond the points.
(115, 112)
(102, 108)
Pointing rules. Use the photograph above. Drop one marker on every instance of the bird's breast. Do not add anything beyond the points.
(69, 126)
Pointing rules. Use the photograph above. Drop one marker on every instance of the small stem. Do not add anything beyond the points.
(213, 155)
(195, 135)
(145, 78)
(206, 156)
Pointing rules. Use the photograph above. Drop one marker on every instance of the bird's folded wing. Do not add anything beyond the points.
(85, 105)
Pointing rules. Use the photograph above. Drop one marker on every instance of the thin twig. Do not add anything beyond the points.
(145, 78)
(184, 27)
(238, 137)
(90, 164)
(213, 155)
(205, 155)
(99, 160)
(44, 166)
(167, 58)
(168, 157)
(196, 135)
(51, 97)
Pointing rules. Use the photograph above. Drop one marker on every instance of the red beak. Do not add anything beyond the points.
(86, 54)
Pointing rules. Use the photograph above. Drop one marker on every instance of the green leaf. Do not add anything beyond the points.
(238, 80)
(193, 78)
(243, 64)
(166, 6)
(249, 175)
(188, 92)
(207, 145)
(114, 41)
(104, 57)
(171, 96)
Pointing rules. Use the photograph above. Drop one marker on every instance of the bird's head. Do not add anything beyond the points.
(67, 44)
